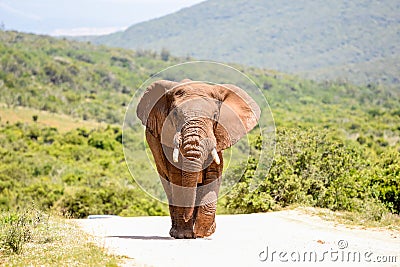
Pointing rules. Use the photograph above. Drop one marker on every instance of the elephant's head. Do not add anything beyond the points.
(196, 120)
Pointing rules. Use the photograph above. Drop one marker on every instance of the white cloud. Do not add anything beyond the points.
(86, 31)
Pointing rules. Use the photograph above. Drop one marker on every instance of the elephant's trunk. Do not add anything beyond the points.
(195, 149)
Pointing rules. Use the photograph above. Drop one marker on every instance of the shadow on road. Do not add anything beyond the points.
(144, 237)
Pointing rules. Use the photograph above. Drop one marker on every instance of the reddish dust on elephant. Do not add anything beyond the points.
(188, 125)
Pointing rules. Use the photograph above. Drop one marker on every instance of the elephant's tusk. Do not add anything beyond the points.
(175, 154)
(214, 154)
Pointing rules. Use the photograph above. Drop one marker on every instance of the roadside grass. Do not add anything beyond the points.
(33, 238)
(63, 123)
(372, 219)
(375, 217)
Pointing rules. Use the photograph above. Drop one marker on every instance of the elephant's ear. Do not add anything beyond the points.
(239, 113)
(153, 108)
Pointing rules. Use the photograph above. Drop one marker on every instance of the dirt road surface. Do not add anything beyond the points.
(285, 238)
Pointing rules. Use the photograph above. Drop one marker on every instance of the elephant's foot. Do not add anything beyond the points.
(180, 229)
(182, 233)
(204, 231)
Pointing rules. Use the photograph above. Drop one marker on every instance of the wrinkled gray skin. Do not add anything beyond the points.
(188, 125)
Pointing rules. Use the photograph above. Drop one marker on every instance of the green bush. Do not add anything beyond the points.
(78, 173)
(385, 180)
(17, 228)
(313, 168)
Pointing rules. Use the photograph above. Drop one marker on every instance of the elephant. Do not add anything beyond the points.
(188, 125)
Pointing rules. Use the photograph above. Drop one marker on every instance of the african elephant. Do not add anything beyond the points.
(188, 125)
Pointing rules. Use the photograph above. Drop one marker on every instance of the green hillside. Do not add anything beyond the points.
(338, 144)
(77, 79)
(324, 39)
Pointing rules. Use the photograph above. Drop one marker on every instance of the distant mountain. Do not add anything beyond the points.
(357, 40)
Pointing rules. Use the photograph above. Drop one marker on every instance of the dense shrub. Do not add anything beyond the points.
(385, 180)
(313, 168)
(78, 173)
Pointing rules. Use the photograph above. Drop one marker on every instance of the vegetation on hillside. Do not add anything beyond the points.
(77, 79)
(77, 173)
(347, 40)
(338, 144)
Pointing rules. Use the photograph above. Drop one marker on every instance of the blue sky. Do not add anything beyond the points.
(81, 17)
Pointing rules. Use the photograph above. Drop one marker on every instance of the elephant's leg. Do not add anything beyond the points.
(164, 169)
(170, 176)
(207, 200)
(180, 228)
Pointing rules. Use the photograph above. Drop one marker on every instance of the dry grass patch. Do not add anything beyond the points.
(63, 123)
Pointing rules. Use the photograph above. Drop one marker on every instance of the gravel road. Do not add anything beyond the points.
(284, 238)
